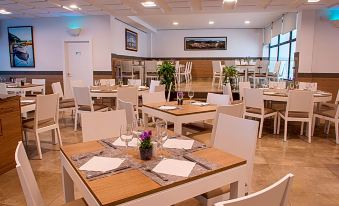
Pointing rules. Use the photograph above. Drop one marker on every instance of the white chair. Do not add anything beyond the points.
(218, 99)
(217, 72)
(188, 73)
(3, 88)
(46, 118)
(39, 82)
(227, 90)
(276, 72)
(231, 137)
(312, 86)
(254, 107)
(151, 70)
(28, 182)
(242, 86)
(160, 88)
(127, 69)
(102, 125)
(129, 94)
(107, 82)
(277, 85)
(84, 103)
(129, 110)
(299, 108)
(134, 82)
(64, 104)
(153, 84)
(274, 195)
(154, 97)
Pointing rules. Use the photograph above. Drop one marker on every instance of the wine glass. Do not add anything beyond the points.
(180, 96)
(96, 82)
(161, 127)
(190, 95)
(126, 134)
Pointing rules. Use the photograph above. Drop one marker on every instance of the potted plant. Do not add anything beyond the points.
(166, 74)
(231, 75)
(145, 147)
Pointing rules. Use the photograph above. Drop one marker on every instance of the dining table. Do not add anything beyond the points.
(111, 91)
(137, 182)
(179, 114)
(281, 95)
(27, 87)
(246, 68)
(27, 104)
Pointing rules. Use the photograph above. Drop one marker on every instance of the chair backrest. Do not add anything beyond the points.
(235, 110)
(312, 86)
(153, 84)
(134, 82)
(128, 94)
(3, 88)
(27, 180)
(190, 67)
(129, 109)
(107, 82)
(274, 195)
(242, 86)
(47, 107)
(169, 92)
(57, 89)
(150, 66)
(82, 96)
(216, 65)
(127, 66)
(300, 101)
(254, 98)
(160, 88)
(231, 137)
(102, 125)
(277, 85)
(218, 99)
(154, 97)
(39, 81)
(24, 79)
(229, 62)
(177, 66)
(337, 99)
(277, 67)
(227, 90)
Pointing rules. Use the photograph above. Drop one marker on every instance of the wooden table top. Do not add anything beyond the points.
(185, 109)
(112, 89)
(27, 85)
(23, 103)
(133, 184)
(284, 93)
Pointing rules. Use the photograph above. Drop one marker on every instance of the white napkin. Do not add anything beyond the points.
(95, 90)
(119, 142)
(28, 101)
(200, 103)
(101, 164)
(269, 93)
(142, 87)
(178, 144)
(174, 167)
(167, 107)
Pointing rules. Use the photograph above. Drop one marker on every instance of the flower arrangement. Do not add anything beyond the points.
(145, 147)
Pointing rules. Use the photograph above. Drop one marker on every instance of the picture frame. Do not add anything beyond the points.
(21, 46)
(131, 40)
(205, 43)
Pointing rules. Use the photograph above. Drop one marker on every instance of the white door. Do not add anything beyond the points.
(78, 64)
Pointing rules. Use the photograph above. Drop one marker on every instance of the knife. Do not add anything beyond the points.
(156, 174)
(107, 172)
(199, 163)
(109, 144)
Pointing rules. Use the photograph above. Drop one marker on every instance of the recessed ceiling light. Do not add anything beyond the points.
(73, 6)
(313, 1)
(175, 23)
(211, 22)
(148, 4)
(230, 1)
(3, 11)
(247, 22)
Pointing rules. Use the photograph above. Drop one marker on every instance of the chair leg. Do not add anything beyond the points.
(76, 121)
(38, 146)
(328, 127)
(302, 128)
(313, 125)
(278, 127)
(336, 124)
(59, 136)
(285, 131)
(275, 124)
(309, 124)
(261, 126)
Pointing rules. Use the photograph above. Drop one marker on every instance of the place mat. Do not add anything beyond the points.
(178, 152)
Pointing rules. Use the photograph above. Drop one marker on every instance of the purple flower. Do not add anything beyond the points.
(145, 135)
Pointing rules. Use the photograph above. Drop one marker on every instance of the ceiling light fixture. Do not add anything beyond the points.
(175, 23)
(148, 4)
(313, 1)
(230, 1)
(247, 22)
(211, 22)
(3, 11)
(73, 6)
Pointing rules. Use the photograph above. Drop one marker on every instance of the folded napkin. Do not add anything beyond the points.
(101, 164)
(120, 143)
(200, 103)
(174, 167)
(168, 107)
(178, 144)
(27, 101)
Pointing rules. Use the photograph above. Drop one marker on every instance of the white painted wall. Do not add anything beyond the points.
(49, 34)
(240, 43)
(118, 39)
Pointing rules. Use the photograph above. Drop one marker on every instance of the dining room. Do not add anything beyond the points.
(166, 102)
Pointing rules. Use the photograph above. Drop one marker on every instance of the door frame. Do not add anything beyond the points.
(67, 91)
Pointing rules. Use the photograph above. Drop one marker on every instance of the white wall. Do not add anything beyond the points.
(118, 39)
(49, 34)
(240, 43)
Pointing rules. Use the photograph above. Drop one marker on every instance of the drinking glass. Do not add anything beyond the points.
(191, 95)
(126, 134)
(161, 127)
(96, 83)
(180, 96)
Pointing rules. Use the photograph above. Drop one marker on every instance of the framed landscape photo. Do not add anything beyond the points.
(21, 46)
(205, 43)
(131, 40)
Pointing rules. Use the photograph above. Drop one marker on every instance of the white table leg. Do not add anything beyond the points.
(68, 186)
(237, 189)
(177, 128)
(145, 118)
(246, 74)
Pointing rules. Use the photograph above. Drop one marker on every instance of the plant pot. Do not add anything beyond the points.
(146, 154)
(233, 83)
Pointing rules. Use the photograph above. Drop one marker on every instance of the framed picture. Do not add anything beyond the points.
(131, 40)
(205, 43)
(21, 46)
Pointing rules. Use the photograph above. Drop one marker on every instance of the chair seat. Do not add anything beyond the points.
(327, 113)
(96, 107)
(258, 111)
(65, 105)
(78, 202)
(29, 123)
(295, 114)
(237, 102)
(217, 192)
(328, 106)
(66, 100)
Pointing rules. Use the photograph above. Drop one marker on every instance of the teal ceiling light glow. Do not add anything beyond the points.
(333, 13)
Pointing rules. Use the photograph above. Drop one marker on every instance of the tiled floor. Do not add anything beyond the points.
(315, 166)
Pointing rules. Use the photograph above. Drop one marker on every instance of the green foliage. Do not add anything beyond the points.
(230, 72)
(166, 74)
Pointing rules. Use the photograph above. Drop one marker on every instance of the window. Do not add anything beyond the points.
(282, 49)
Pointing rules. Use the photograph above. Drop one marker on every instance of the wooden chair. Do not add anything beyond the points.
(46, 118)
(231, 137)
(218, 99)
(153, 84)
(254, 107)
(242, 86)
(3, 88)
(274, 195)
(107, 82)
(64, 104)
(154, 97)
(217, 72)
(84, 103)
(129, 94)
(102, 125)
(299, 108)
(28, 182)
(129, 109)
(39, 82)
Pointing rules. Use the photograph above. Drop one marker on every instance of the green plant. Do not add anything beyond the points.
(230, 72)
(166, 74)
